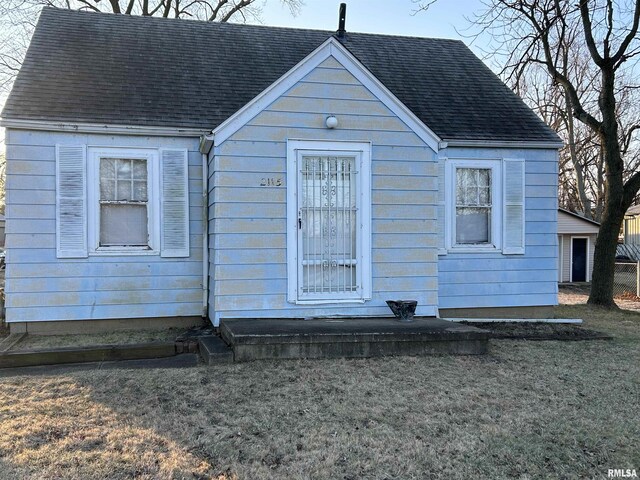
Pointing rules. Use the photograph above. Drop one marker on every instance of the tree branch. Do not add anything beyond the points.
(238, 7)
(630, 36)
(628, 137)
(89, 6)
(588, 32)
(214, 14)
(167, 8)
(130, 7)
(422, 6)
(631, 190)
(157, 7)
(578, 110)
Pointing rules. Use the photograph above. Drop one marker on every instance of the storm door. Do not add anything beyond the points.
(328, 226)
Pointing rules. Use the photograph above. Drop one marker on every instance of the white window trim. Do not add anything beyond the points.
(496, 207)
(93, 196)
(560, 257)
(363, 152)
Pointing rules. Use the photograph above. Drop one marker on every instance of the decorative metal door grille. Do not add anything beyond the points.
(327, 222)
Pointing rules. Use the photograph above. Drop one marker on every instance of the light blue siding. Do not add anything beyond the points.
(40, 286)
(496, 280)
(247, 223)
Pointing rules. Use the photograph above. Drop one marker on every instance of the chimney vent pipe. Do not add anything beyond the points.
(342, 20)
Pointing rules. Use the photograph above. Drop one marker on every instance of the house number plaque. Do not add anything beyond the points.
(271, 182)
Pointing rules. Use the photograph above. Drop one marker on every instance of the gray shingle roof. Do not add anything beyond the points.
(633, 211)
(127, 70)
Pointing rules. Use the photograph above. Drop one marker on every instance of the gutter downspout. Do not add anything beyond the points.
(205, 236)
(206, 142)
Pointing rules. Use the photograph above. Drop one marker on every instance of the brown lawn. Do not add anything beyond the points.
(544, 409)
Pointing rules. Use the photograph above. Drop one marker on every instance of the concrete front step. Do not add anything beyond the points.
(255, 339)
(214, 350)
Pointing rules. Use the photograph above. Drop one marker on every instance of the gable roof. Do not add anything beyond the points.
(330, 49)
(86, 67)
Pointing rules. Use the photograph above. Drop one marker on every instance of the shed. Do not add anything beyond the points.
(576, 243)
(631, 226)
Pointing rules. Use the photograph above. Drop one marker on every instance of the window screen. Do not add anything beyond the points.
(473, 205)
(123, 202)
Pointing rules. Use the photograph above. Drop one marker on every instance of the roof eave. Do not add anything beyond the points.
(83, 127)
(544, 144)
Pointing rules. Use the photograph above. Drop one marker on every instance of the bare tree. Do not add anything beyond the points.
(589, 54)
(18, 18)
(545, 34)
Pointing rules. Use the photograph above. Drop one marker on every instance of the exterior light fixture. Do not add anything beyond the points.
(331, 122)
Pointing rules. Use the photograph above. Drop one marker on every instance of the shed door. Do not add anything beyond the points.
(328, 233)
(579, 260)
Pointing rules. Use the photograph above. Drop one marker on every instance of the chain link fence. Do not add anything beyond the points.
(625, 280)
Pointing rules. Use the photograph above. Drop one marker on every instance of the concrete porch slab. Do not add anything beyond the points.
(262, 338)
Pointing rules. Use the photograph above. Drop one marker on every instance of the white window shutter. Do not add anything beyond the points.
(174, 192)
(442, 223)
(71, 201)
(513, 216)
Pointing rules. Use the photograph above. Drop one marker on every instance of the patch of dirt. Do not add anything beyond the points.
(578, 293)
(575, 288)
(194, 333)
(539, 331)
(628, 296)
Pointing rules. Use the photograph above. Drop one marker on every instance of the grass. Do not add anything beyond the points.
(87, 340)
(542, 409)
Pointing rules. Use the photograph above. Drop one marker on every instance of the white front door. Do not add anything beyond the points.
(330, 231)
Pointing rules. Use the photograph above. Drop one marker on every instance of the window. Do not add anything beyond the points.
(474, 205)
(123, 201)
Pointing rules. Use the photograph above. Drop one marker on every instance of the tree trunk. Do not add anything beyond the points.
(604, 259)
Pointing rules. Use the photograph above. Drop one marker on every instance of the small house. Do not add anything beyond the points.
(576, 244)
(167, 171)
(631, 226)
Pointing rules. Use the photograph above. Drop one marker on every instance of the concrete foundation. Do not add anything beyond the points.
(544, 311)
(71, 327)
